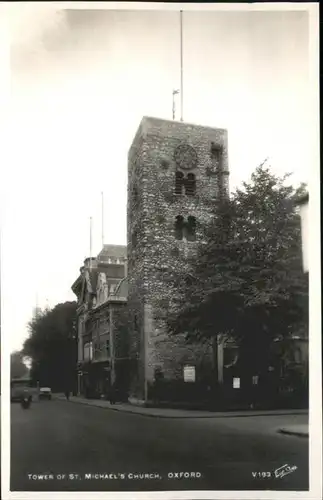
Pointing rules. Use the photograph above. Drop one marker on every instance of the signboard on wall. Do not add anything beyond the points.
(236, 383)
(189, 373)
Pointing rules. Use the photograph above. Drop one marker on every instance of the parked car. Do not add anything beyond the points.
(45, 393)
(18, 388)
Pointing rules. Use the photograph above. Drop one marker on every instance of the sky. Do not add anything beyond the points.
(81, 81)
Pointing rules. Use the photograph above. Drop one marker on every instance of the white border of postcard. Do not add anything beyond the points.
(315, 413)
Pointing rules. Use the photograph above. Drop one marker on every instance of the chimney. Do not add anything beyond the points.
(90, 262)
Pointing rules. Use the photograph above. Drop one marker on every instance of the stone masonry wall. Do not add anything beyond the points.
(137, 288)
(153, 250)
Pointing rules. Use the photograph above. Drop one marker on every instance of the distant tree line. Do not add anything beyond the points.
(18, 368)
(52, 347)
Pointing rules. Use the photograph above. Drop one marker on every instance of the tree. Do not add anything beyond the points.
(52, 346)
(247, 281)
(17, 365)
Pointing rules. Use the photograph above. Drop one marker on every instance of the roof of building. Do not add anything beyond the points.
(122, 289)
(170, 128)
(100, 263)
(77, 283)
(93, 273)
(112, 251)
(149, 120)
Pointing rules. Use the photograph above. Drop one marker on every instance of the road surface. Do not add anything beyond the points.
(65, 446)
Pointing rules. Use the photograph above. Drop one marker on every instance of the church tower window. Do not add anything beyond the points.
(190, 185)
(190, 227)
(215, 152)
(179, 227)
(179, 182)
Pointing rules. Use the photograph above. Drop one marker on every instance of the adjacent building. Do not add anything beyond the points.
(101, 292)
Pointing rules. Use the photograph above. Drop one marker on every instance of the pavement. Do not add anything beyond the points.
(299, 430)
(296, 430)
(62, 446)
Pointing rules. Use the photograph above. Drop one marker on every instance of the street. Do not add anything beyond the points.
(71, 442)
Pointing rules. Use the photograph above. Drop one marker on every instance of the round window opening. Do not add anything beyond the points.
(185, 157)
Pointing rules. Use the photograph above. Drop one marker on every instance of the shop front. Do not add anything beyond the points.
(95, 380)
(101, 378)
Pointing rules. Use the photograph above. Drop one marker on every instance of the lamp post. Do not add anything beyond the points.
(303, 208)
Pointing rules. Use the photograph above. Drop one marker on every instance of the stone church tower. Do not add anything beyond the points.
(176, 171)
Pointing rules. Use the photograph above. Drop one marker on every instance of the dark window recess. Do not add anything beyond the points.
(179, 227)
(164, 164)
(135, 321)
(190, 185)
(179, 182)
(215, 151)
(108, 346)
(190, 229)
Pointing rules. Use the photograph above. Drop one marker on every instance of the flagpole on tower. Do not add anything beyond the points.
(90, 243)
(102, 221)
(175, 92)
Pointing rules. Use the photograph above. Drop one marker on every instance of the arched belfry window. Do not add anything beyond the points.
(179, 182)
(190, 185)
(190, 232)
(179, 227)
(185, 228)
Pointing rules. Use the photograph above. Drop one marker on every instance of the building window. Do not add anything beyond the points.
(190, 232)
(185, 229)
(298, 356)
(107, 345)
(179, 227)
(215, 152)
(179, 182)
(188, 182)
(88, 351)
(190, 185)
